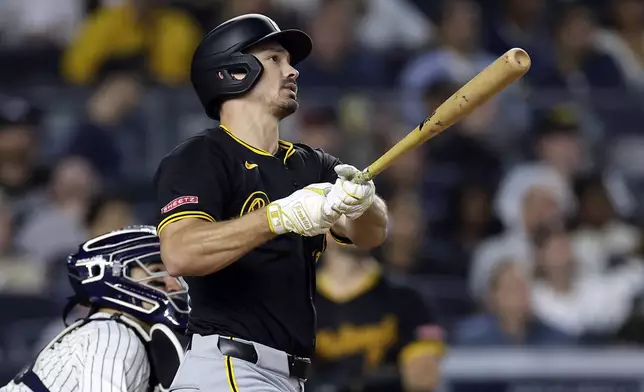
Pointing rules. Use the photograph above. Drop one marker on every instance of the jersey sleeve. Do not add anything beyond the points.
(191, 183)
(420, 333)
(115, 360)
(328, 162)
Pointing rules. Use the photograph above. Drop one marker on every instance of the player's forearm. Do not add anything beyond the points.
(202, 248)
(370, 229)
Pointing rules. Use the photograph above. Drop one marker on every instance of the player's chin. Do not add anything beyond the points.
(286, 107)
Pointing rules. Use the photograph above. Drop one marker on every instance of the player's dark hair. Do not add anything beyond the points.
(441, 89)
(566, 13)
(99, 202)
(133, 66)
(447, 8)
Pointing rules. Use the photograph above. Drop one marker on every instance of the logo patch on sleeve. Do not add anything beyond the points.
(178, 202)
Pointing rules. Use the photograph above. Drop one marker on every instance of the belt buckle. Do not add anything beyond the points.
(304, 361)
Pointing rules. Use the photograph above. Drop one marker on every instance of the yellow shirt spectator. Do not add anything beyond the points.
(166, 37)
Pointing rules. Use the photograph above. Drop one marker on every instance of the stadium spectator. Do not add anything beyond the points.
(39, 23)
(449, 161)
(558, 142)
(601, 239)
(623, 41)
(520, 24)
(20, 172)
(99, 137)
(405, 235)
(373, 334)
(384, 25)
(17, 273)
(582, 74)
(588, 307)
(406, 174)
(530, 197)
(463, 151)
(393, 26)
(509, 320)
(107, 213)
(56, 224)
(459, 56)
(337, 59)
(320, 127)
(468, 221)
(226, 9)
(166, 37)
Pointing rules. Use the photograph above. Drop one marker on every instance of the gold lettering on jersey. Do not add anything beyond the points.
(370, 340)
(257, 200)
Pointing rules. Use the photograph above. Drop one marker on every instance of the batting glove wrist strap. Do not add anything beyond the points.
(302, 212)
(276, 219)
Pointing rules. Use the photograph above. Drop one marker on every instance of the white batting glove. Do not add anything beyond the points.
(303, 212)
(350, 198)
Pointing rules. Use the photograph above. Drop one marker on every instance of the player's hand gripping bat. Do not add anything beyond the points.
(504, 71)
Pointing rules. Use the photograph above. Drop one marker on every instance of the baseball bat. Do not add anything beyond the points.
(504, 71)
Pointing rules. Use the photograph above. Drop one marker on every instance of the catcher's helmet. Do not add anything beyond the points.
(220, 53)
(102, 274)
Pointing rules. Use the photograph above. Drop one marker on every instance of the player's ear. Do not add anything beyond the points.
(237, 74)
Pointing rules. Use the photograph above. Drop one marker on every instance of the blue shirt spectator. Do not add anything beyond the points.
(486, 330)
(508, 319)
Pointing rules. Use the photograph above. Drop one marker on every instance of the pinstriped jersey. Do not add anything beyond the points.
(267, 295)
(100, 356)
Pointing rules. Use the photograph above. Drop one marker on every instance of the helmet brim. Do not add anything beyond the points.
(296, 42)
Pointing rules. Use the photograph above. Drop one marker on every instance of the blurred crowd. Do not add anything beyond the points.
(521, 225)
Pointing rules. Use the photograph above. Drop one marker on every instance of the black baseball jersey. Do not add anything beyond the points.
(267, 295)
(382, 324)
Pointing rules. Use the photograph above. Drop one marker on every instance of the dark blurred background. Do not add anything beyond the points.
(528, 211)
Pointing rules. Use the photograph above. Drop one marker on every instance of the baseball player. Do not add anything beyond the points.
(373, 334)
(126, 343)
(244, 214)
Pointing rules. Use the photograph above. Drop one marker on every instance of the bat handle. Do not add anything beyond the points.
(362, 177)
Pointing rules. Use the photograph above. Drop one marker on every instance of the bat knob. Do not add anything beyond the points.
(362, 177)
(519, 58)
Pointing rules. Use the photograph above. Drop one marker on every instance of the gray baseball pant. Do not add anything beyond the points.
(206, 369)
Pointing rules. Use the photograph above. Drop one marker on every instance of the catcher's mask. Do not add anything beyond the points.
(122, 270)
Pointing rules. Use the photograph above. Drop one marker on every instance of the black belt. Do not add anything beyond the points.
(297, 367)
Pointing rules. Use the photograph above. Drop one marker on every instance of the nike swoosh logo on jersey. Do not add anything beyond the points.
(250, 166)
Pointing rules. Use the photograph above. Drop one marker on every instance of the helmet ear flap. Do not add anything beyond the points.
(215, 82)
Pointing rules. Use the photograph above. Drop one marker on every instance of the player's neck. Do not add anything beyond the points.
(342, 284)
(345, 274)
(256, 128)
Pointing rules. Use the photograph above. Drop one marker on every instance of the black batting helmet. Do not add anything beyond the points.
(220, 54)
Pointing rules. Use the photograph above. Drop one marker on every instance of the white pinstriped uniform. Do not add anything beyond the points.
(101, 356)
